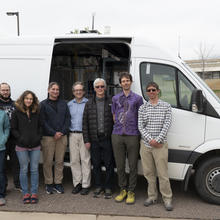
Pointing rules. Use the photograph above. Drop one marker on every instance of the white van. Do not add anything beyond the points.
(194, 137)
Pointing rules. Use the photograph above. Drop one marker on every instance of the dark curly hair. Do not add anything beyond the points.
(20, 102)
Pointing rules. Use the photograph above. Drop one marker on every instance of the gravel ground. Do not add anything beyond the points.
(187, 205)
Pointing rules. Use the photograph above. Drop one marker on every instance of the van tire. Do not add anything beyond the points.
(207, 180)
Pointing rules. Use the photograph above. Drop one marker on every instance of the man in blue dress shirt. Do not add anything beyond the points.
(80, 161)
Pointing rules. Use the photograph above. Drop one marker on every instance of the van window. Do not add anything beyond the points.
(175, 88)
(185, 91)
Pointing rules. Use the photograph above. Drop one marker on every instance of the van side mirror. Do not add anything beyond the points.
(197, 101)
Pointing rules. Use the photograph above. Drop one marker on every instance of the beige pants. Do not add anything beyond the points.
(80, 160)
(53, 148)
(155, 162)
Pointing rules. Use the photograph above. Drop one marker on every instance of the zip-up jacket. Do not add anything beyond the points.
(54, 120)
(26, 130)
(90, 123)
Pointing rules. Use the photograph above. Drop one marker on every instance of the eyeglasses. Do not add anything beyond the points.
(97, 87)
(151, 90)
(78, 90)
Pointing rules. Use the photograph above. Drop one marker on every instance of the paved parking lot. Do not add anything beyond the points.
(186, 204)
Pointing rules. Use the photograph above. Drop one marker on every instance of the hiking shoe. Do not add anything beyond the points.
(122, 195)
(27, 198)
(77, 188)
(59, 188)
(98, 191)
(149, 202)
(49, 188)
(2, 201)
(168, 205)
(84, 191)
(108, 194)
(130, 198)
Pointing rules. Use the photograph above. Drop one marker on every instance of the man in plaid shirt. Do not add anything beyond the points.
(154, 120)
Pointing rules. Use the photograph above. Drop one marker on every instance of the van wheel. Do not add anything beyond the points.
(207, 180)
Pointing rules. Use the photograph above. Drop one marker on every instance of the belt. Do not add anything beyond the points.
(76, 132)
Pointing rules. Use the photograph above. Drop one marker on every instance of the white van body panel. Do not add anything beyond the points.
(208, 146)
(212, 129)
(25, 64)
(175, 168)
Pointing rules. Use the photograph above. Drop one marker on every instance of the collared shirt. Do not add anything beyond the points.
(125, 109)
(154, 121)
(76, 112)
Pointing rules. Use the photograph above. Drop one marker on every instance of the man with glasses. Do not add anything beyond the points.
(97, 130)
(80, 162)
(125, 137)
(154, 120)
(7, 104)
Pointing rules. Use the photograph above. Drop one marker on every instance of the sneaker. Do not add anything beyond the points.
(122, 195)
(18, 188)
(130, 198)
(49, 188)
(98, 191)
(59, 188)
(2, 201)
(108, 194)
(27, 198)
(84, 191)
(149, 202)
(77, 188)
(168, 205)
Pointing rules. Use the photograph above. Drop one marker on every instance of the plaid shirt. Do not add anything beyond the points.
(154, 121)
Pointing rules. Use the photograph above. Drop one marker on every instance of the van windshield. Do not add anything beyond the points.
(87, 60)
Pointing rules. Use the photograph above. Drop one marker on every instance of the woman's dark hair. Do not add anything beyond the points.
(20, 102)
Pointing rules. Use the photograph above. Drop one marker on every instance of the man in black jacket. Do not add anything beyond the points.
(97, 129)
(55, 120)
(7, 104)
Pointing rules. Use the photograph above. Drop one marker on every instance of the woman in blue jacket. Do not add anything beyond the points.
(4, 133)
(25, 127)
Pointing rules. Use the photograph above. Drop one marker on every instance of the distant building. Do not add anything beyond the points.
(210, 69)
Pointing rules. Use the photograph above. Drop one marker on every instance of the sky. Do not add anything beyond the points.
(183, 26)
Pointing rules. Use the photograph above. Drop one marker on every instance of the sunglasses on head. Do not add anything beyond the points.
(151, 90)
(97, 87)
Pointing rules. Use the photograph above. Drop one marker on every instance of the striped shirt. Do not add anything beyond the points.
(154, 121)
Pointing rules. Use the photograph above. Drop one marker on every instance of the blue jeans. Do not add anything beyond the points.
(2, 174)
(24, 158)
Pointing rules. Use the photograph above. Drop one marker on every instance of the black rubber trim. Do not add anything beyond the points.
(182, 156)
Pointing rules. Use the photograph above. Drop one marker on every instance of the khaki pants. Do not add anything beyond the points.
(53, 148)
(80, 160)
(155, 162)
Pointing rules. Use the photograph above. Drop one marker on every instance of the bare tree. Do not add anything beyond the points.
(204, 52)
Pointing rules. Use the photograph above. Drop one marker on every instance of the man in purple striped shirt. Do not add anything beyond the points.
(125, 137)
